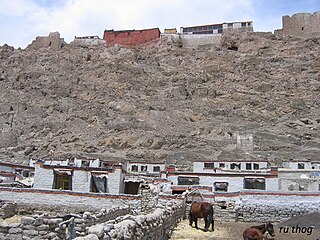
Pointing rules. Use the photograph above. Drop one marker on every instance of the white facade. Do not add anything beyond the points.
(235, 183)
(298, 164)
(43, 177)
(227, 166)
(81, 179)
(145, 167)
(75, 163)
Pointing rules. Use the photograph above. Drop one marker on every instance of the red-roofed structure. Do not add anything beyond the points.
(131, 37)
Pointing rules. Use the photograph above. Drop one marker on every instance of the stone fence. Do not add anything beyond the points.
(276, 207)
(157, 225)
(46, 227)
(64, 201)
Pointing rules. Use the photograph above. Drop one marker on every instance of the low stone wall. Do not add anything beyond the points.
(72, 201)
(276, 207)
(46, 227)
(7, 209)
(157, 225)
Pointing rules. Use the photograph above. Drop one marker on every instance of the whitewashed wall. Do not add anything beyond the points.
(43, 178)
(81, 181)
(199, 166)
(235, 183)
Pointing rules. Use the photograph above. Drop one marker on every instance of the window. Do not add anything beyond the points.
(156, 168)
(221, 186)
(230, 24)
(243, 24)
(134, 168)
(188, 181)
(235, 166)
(221, 165)
(144, 168)
(300, 165)
(256, 166)
(209, 165)
(254, 183)
(249, 24)
(248, 166)
(220, 31)
(84, 163)
(99, 183)
(62, 180)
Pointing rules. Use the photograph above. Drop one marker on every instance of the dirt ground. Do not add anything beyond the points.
(233, 231)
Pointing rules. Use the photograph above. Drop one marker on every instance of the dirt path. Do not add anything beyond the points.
(233, 231)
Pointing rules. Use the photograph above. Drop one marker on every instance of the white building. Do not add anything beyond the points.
(223, 182)
(145, 168)
(299, 179)
(231, 165)
(301, 164)
(79, 179)
(218, 28)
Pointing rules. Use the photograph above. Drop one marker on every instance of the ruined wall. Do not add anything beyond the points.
(131, 38)
(53, 41)
(302, 25)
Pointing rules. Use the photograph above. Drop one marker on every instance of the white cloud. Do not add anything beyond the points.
(30, 18)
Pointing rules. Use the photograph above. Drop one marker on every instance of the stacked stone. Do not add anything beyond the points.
(33, 228)
(156, 225)
(7, 209)
(225, 215)
(44, 227)
(148, 201)
(262, 211)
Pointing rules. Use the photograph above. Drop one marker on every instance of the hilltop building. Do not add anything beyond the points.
(218, 28)
(304, 25)
(131, 38)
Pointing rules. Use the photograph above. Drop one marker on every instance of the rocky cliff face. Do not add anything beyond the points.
(255, 96)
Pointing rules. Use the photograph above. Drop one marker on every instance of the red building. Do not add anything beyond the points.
(131, 37)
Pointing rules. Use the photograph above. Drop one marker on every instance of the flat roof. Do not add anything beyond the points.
(216, 24)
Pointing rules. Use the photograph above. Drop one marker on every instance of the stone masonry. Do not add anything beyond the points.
(302, 25)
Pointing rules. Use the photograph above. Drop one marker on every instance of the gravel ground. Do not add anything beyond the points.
(233, 231)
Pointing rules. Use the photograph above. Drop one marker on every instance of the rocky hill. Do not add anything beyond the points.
(254, 96)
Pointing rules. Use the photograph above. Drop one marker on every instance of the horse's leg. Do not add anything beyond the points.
(196, 222)
(212, 224)
(206, 225)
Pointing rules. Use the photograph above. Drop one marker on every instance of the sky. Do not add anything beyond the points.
(22, 21)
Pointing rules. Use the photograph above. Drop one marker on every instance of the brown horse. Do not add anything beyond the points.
(257, 232)
(201, 210)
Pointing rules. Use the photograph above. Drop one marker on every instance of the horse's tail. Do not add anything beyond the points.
(210, 219)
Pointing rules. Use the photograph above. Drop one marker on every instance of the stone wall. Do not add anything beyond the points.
(157, 225)
(302, 25)
(193, 40)
(276, 207)
(53, 41)
(64, 199)
(46, 227)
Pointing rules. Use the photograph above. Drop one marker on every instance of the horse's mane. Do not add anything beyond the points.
(260, 227)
